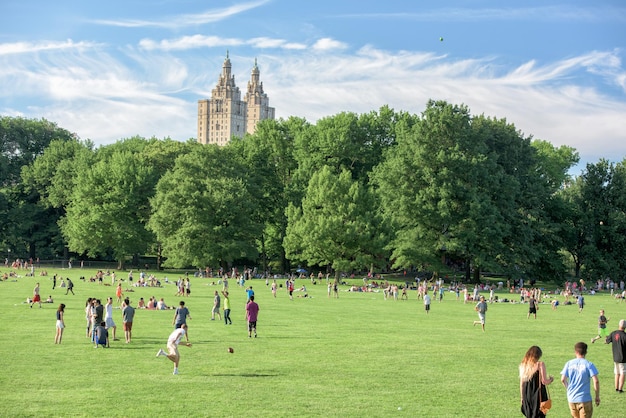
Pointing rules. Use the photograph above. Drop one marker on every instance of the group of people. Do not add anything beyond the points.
(577, 376)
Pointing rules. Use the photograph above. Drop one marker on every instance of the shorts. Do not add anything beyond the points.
(481, 316)
(619, 368)
(532, 310)
(216, 309)
(427, 307)
(109, 323)
(177, 325)
(128, 326)
(60, 324)
(603, 332)
(581, 409)
(173, 349)
(36, 298)
(251, 325)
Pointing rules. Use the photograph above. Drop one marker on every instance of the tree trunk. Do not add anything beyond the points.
(263, 254)
(476, 275)
(32, 253)
(159, 256)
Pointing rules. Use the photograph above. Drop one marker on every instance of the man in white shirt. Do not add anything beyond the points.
(172, 345)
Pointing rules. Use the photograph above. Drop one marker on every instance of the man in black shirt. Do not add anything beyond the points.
(618, 341)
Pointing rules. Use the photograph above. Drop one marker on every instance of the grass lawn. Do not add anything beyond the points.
(358, 355)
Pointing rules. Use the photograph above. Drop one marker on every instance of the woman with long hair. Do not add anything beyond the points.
(60, 324)
(532, 381)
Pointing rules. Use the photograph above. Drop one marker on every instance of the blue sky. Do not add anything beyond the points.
(103, 69)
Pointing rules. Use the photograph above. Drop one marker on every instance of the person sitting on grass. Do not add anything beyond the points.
(101, 336)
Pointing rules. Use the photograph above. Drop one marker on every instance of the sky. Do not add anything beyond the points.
(115, 69)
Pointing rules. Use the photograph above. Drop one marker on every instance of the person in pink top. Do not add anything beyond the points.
(252, 313)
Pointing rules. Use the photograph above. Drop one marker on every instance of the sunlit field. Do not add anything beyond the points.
(358, 355)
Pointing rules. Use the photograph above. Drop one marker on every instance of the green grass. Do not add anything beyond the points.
(354, 356)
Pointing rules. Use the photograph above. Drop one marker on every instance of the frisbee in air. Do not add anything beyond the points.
(441, 39)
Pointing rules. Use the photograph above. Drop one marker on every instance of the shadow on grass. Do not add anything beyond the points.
(245, 374)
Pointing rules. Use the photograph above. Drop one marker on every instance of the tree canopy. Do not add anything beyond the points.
(442, 190)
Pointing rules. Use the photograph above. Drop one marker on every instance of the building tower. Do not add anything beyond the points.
(257, 103)
(225, 115)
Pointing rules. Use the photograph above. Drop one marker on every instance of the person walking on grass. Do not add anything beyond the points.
(533, 380)
(128, 315)
(252, 313)
(118, 293)
(36, 296)
(581, 302)
(172, 346)
(602, 329)
(618, 341)
(532, 306)
(216, 306)
(227, 320)
(70, 286)
(576, 377)
(181, 314)
(108, 317)
(60, 324)
(427, 302)
(481, 308)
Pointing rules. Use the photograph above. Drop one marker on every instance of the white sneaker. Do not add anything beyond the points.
(160, 353)
(175, 371)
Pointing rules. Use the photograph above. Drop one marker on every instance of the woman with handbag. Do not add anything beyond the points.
(532, 384)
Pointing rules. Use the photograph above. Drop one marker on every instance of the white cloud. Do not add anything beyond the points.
(30, 47)
(181, 21)
(104, 96)
(188, 42)
(542, 101)
(327, 44)
(202, 41)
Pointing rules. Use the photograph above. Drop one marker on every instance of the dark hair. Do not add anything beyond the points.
(61, 307)
(182, 303)
(581, 348)
(252, 297)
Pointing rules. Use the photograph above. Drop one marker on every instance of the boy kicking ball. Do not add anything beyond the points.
(172, 345)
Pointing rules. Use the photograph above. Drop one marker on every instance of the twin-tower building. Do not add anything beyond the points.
(225, 115)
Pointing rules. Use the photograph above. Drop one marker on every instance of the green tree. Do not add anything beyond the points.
(457, 187)
(27, 227)
(203, 211)
(598, 221)
(109, 206)
(268, 157)
(335, 226)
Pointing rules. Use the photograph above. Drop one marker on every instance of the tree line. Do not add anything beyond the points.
(382, 190)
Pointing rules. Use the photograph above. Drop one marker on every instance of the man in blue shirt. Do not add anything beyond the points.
(576, 376)
(249, 293)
